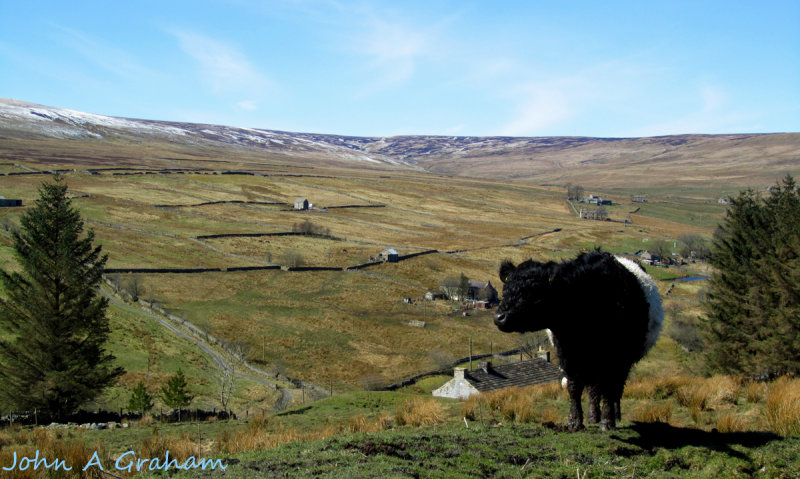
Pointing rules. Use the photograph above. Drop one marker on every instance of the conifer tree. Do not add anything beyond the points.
(753, 321)
(175, 393)
(53, 321)
(141, 401)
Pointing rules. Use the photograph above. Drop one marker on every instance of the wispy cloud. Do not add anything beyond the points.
(395, 49)
(225, 69)
(709, 111)
(103, 54)
(541, 107)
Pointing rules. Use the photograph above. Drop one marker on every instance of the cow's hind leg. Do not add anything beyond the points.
(612, 397)
(594, 404)
(575, 389)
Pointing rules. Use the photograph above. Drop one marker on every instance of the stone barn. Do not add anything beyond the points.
(389, 256)
(301, 204)
(489, 378)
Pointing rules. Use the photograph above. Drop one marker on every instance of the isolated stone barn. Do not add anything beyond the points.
(301, 204)
(389, 255)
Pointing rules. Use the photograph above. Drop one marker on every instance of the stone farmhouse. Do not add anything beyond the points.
(490, 378)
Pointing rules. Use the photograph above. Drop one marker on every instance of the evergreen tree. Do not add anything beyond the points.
(753, 321)
(141, 400)
(175, 393)
(52, 354)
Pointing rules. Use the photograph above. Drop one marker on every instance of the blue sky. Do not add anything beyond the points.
(520, 68)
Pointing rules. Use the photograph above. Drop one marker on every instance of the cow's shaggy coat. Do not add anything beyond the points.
(603, 312)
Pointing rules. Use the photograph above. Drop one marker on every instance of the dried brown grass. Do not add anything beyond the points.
(363, 423)
(524, 405)
(420, 412)
(711, 393)
(782, 408)
(653, 412)
(262, 434)
(661, 387)
(69, 447)
(755, 392)
(731, 422)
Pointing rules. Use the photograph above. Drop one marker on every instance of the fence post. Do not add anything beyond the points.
(470, 354)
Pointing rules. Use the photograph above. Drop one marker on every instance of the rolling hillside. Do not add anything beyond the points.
(686, 160)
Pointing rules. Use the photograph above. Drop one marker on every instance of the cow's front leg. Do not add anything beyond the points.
(575, 389)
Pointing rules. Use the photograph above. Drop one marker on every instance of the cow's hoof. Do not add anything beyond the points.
(605, 426)
(575, 426)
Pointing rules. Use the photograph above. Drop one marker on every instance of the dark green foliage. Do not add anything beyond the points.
(141, 401)
(175, 393)
(753, 322)
(52, 356)
(463, 286)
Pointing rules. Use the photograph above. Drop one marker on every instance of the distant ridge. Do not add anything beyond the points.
(739, 159)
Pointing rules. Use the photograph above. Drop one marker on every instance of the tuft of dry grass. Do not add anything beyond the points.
(146, 420)
(653, 412)
(703, 394)
(731, 422)
(661, 387)
(362, 423)
(755, 392)
(782, 407)
(180, 447)
(420, 412)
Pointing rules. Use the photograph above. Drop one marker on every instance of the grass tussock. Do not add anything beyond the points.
(755, 392)
(420, 412)
(782, 408)
(661, 387)
(363, 423)
(180, 447)
(731, 422)
(653, 412)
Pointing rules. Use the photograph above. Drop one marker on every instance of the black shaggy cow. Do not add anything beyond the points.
(603, 314)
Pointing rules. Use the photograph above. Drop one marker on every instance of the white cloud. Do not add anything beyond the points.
(223, 67)
(541, 107)
(248, 105)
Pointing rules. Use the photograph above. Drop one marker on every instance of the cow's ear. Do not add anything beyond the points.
(506, 268)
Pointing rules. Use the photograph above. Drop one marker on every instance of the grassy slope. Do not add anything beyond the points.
(652, 450)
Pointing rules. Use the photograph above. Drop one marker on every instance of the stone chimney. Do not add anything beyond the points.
(485, 366)
(542, 354)
(458, 373)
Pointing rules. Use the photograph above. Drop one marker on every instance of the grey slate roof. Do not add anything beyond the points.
(521, 374)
